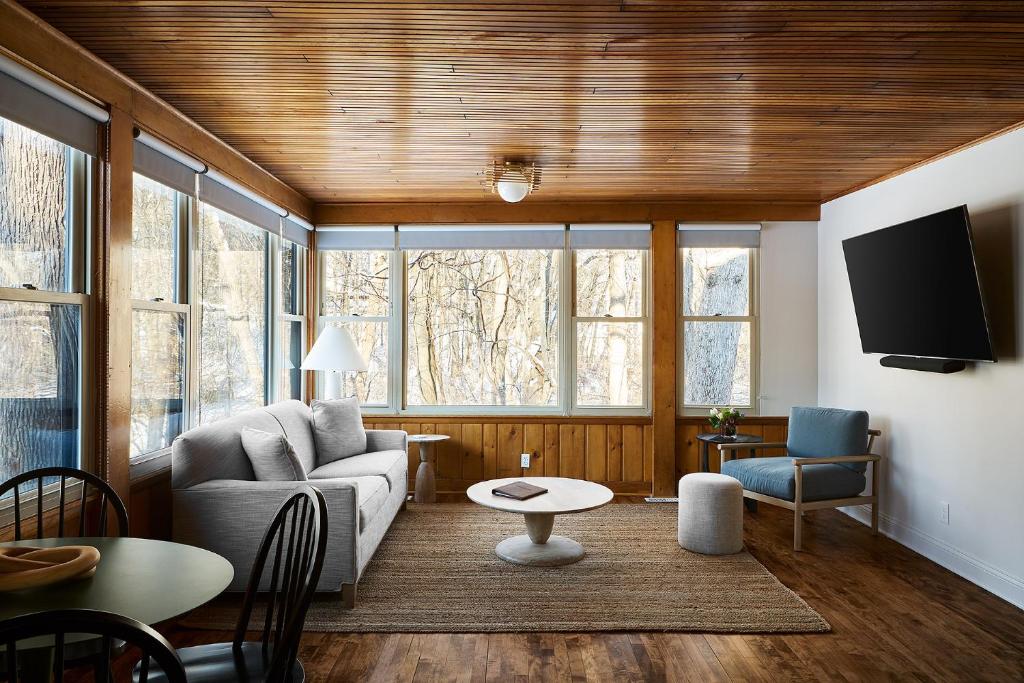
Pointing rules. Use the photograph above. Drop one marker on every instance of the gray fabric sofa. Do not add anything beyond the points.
(218, 504)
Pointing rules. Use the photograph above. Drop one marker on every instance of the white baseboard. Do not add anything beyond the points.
(992, 579)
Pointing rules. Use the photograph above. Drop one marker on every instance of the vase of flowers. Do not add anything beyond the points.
(725, 420)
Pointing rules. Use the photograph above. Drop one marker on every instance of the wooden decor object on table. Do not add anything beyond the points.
(28, 567)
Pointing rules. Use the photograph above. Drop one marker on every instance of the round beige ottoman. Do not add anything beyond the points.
(710, 514)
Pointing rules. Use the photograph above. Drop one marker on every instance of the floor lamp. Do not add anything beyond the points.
(334, 352)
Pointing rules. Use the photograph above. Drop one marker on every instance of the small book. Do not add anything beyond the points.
(518, 490)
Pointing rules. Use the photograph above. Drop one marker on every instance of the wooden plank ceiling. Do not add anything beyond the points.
(622, 99)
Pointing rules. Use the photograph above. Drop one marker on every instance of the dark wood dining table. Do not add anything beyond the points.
(151, 581)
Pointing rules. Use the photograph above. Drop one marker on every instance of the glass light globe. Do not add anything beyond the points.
(513, 189)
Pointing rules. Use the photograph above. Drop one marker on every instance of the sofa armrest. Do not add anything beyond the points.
(229, 517)
(386, 440)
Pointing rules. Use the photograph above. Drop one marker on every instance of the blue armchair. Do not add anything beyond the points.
(827, 454)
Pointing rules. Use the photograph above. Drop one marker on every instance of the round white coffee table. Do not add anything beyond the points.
(538, 547)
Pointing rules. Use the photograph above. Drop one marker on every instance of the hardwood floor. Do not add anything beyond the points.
(894, 614)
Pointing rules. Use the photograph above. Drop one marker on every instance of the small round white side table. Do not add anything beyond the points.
(425, 490)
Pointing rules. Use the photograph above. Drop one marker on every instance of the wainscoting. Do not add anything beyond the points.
(615, 451)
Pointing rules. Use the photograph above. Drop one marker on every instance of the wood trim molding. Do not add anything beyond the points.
(562, 212)
(509, 419)
(750, 419)
(112, 312)
(664, 353)
(30, 39)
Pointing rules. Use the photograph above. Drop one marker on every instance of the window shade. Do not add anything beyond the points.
(296, 232)
(481, 236)
(23, 104)
(610, 236)
(236, 204)
(164, 169)
(747, 235)
(344, 238)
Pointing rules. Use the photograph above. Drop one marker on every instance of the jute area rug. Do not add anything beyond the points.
(436, 571)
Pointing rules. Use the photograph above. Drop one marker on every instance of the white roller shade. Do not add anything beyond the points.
(294, 230)
(162, 168)
(237, 204)
(712, 235)
(610, 236)
(481, 236)
(350, 237)
(37, 103)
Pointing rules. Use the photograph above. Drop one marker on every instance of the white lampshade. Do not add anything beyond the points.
(513, 188)
(335, 350)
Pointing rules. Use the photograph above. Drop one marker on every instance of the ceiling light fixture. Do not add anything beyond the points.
(512, 180)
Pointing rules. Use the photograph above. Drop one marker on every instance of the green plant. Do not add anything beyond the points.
(725, 419)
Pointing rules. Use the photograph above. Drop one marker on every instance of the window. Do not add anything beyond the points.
(44, 197)
(356, 295)
(483, 327)
(232, 294)
(718, 318)
(291, 330)
(514, 318)
(160, 318)
(610, 325)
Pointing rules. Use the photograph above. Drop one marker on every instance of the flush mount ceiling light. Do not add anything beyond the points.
(512, 180)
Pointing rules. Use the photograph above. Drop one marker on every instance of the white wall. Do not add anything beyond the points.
(953, 438)
(789, 316)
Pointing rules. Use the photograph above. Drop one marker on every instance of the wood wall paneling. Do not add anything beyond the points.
(664, 352)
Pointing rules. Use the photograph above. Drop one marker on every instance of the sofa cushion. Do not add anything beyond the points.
(371, 494)
(296, 420)
(392, 465)
(827, 432)
(338, 429)
(272, 456)
(776, 477)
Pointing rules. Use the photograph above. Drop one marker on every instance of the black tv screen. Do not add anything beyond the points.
(916, 290)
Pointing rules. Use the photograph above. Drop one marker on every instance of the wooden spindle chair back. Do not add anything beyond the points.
(110, 628)
(297, 539)
(105, 495)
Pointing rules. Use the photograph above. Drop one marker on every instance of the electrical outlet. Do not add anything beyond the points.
(524, 460)
(944, 512)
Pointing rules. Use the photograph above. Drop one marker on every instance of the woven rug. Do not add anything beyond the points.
(436, 571)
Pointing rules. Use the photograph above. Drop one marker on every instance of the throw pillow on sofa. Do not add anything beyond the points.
(272, 457)
(338, 429)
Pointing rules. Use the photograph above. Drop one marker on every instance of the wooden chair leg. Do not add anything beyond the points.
(798, 513)
(876, 496)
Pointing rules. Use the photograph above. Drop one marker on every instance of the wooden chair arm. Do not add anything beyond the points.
(749, 446)
(836, 460)
(874, 432)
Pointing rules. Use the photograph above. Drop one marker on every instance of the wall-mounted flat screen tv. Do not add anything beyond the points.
(916, 290)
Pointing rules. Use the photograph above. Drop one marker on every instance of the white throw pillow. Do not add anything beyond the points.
(338, 429)
(272, 457)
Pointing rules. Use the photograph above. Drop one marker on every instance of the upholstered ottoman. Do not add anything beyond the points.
(710, 514)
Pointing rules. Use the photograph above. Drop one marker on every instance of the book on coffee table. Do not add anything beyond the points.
(518, 490)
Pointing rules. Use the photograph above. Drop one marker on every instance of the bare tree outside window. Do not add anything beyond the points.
(610, 314)
(483, 327)
(40, 342)
(357, 296)
(232, 293)
(717, 326)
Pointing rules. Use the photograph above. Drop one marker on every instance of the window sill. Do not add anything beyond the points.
(150, 464)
